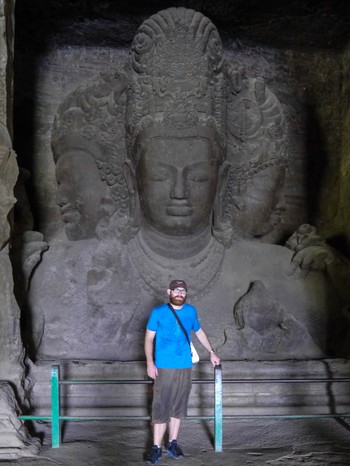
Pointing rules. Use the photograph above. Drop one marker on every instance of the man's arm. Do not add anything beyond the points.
(149, 342)
(202, 337)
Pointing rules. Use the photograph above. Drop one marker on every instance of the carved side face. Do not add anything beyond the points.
(264, 216)
(261, 201)
(177, 182)
(80, 192)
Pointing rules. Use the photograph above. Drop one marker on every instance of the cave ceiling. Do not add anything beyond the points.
(272, 23)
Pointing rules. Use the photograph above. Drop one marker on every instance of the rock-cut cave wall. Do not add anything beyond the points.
(284, 124)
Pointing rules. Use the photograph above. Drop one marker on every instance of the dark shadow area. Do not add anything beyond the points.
(344, 422)
(340, 243)
(316, 164)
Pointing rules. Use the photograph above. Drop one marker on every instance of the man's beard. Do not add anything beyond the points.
(177, 300)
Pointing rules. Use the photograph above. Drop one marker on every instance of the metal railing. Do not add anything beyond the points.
(55, 418)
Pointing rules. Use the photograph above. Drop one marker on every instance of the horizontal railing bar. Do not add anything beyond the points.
(283, 416)
(190, 418)
(35, 418)
(304, 380)
(103, 418)
(106, 382)
(204, 381)
(123, 418)
(112, 381)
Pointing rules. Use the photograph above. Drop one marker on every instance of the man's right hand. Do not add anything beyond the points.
(152, 371)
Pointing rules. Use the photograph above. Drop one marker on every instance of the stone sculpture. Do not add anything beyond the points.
(257, 147)
(86, 138)
(201, 150)
(14, 439)
(8, 173)
(263, 327)
(11, 347)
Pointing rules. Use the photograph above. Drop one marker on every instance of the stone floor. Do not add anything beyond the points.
(323, 442)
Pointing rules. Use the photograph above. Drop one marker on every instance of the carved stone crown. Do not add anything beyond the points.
(177, 79)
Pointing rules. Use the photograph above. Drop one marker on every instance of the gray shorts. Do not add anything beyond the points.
(171, 392)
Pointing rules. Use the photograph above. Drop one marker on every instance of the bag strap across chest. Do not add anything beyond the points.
(179, 322)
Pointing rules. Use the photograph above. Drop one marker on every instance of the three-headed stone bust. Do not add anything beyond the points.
(189, 155)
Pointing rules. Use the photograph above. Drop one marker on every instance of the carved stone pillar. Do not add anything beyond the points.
(7, 8)
(15, 442)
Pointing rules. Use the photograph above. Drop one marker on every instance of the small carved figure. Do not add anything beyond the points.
(312, 253)
(264, 329)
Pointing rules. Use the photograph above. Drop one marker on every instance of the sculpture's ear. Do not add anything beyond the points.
(224, 173)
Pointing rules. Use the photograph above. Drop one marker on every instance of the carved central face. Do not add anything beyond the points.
(79, 194)
(177, 182)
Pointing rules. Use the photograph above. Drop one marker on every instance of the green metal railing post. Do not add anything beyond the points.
(218, 408)
(55, 407)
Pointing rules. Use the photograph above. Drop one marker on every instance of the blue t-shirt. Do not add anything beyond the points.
(172, 350)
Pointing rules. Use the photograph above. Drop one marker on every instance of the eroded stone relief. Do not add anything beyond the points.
(88, 143)
(14, 439)
(172, 167)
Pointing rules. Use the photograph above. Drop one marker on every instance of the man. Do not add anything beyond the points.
(171, 369)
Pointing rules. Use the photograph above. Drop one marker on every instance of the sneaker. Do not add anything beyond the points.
(154, 455)
(174, 450)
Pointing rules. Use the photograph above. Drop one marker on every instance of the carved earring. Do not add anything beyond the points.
(222, 230)
(130, 177)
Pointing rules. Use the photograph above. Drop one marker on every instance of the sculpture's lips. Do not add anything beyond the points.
(179, 211)
(69, 213)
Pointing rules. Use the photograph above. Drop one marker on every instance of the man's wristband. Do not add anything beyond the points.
(211, 351)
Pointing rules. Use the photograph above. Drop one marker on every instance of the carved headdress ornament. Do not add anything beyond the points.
(178, 87)
(256, 129)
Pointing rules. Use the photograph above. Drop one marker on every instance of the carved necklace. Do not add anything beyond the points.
(155, 271)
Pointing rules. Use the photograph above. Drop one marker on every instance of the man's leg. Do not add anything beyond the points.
(158, 433)
(181, 391)
(174, 427)
(155, 454)
(173, 448)
(160, 412)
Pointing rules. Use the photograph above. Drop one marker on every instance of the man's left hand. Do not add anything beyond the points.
(215, 360)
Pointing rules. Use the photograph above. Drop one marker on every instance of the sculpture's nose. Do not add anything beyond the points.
(179, 189)
(280, 206)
